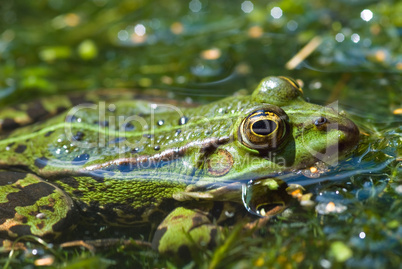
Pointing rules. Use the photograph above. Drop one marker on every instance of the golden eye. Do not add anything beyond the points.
(263, 128)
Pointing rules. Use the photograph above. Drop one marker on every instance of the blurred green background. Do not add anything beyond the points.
(205, 50)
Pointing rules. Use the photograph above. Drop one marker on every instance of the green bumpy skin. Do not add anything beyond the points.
(31, 206)
(124, 159)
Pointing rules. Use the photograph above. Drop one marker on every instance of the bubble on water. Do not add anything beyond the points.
(340, 37)
(355, 38)
(247, 6)
(366, 15)
(195, 6)
(140, 29)
(276, 12)
(123, 35)
(292, 25)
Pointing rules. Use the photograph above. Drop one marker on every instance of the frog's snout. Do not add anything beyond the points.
(351, 135)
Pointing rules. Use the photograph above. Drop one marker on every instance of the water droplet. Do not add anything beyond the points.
(265, 197)
(183, 120)
(81, 159)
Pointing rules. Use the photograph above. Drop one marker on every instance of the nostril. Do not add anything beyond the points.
(320, 121)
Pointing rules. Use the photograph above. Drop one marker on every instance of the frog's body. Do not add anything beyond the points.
(128, 162)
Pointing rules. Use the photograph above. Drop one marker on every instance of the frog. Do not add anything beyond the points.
(127, 159)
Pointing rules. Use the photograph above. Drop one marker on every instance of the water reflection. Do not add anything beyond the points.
(340, 37)
(195, 5)
(366, 15)
(247, 6)
(276, 12)
(355, 38)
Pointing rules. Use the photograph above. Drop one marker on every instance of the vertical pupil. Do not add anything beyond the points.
(263, 127)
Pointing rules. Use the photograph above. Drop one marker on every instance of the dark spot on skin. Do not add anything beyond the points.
(60, 109)
(183, 120)
(80, 159)
(21, 229)
(41, 162)
(157, 237)
(184, 252)
(47, 207)
(156, 217)
(177, 217)
(79, 136)
(40, 225)
(108, 211)
(94, 204)
(117, 140)
(212, 240)
(27, 196)
(7, 178)
(157, 148)
(102, 123)
(100, 177)
(129, 127)
(36, 111)
(167, 205)
(24, 219)
(178, 131)
(48, 133)
(161, 122)
(215, 211)
(71, 181)
(33, 213)
(20, 149)
(32, 193)
(10, 145)
(64, 223)
(9, 124)
(78, 193)
(70, 118)
(77, 99)
(197, 221)
(148, 136)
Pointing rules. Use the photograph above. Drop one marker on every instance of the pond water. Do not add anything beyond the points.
(344, 53)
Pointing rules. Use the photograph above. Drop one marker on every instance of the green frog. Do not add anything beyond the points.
(125, 159)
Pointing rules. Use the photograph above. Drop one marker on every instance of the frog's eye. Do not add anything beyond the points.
(263, 129)
(293, 82)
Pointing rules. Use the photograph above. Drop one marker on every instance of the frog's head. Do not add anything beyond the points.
(290, 133)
